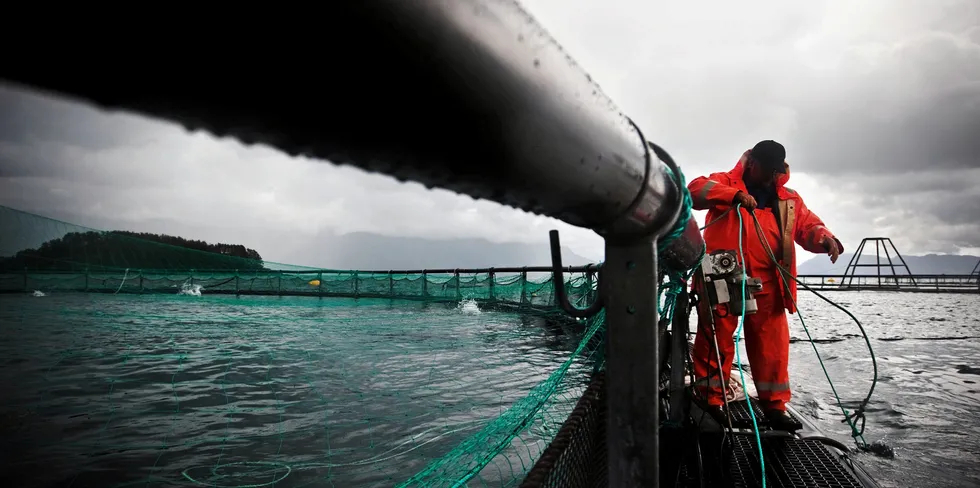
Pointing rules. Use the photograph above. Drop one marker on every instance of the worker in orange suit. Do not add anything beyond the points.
(758, 183)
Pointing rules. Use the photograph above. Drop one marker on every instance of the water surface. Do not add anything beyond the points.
(167, 390)
(926, 404)
(115, 390)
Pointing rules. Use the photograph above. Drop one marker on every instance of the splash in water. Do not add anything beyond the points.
(189, 289)
(469, 306)
(39, 293)
(879, 448)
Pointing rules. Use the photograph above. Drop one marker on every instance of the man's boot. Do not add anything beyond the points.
(719, 414)
(781, 420)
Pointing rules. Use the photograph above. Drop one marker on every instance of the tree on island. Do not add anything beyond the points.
(77, 251)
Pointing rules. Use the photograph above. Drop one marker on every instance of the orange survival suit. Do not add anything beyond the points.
(766, 331)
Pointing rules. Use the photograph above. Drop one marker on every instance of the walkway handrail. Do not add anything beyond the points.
(473, 96)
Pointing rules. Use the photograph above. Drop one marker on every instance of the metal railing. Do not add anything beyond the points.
(937, 283)
(486, 104)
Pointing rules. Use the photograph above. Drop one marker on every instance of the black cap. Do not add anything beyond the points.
(770, 154)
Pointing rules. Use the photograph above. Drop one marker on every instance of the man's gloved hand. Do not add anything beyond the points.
(830, 245)
(747, 201)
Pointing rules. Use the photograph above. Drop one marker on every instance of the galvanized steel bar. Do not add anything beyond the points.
(629, 287)
(472, 96)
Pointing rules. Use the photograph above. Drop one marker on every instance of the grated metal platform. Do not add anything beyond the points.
(577, 457)
(790, 463)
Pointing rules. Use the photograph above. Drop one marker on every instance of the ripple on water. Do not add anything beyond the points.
(120, 389)
(110, 390)
(924, 406)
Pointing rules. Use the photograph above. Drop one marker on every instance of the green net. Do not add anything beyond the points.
(46, 255)
(139, 359)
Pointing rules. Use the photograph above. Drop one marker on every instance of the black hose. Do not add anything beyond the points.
(858, 413)
(827, 440)
(717, 219)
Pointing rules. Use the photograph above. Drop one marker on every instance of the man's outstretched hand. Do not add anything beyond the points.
(830, 245)
(748, 201)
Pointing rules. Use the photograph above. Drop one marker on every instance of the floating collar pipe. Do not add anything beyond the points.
(472, 96)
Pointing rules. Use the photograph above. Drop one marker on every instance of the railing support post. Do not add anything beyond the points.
(679, 328)
(589, 282)
(459, 292)
(523, 286)
(629, 285)
(492, 276)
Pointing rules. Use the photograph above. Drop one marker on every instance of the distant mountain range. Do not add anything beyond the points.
(360, 250)
(350, 251)
(922, 265)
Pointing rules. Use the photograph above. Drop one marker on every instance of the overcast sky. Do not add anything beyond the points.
(877, 102)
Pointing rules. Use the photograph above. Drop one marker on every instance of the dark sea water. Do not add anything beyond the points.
(926, 404)
(168, 390)
(103, 390)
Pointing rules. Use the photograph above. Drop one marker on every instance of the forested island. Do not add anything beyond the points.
(78, 251)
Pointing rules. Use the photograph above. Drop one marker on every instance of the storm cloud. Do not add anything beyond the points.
(877, 102)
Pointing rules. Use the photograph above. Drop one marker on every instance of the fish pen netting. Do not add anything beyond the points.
(137, 362)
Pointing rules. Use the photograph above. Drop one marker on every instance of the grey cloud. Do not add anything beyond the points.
(960, 211)
(912, 107)
(907, 90)
(878, 100)
(41, 118)
(908, 183)
(934, 211)
(920, 235)
(179, 182)
(878, 103)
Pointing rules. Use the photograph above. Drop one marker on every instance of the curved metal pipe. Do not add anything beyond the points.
(561, 295)
(828, 441)
(473, 96)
